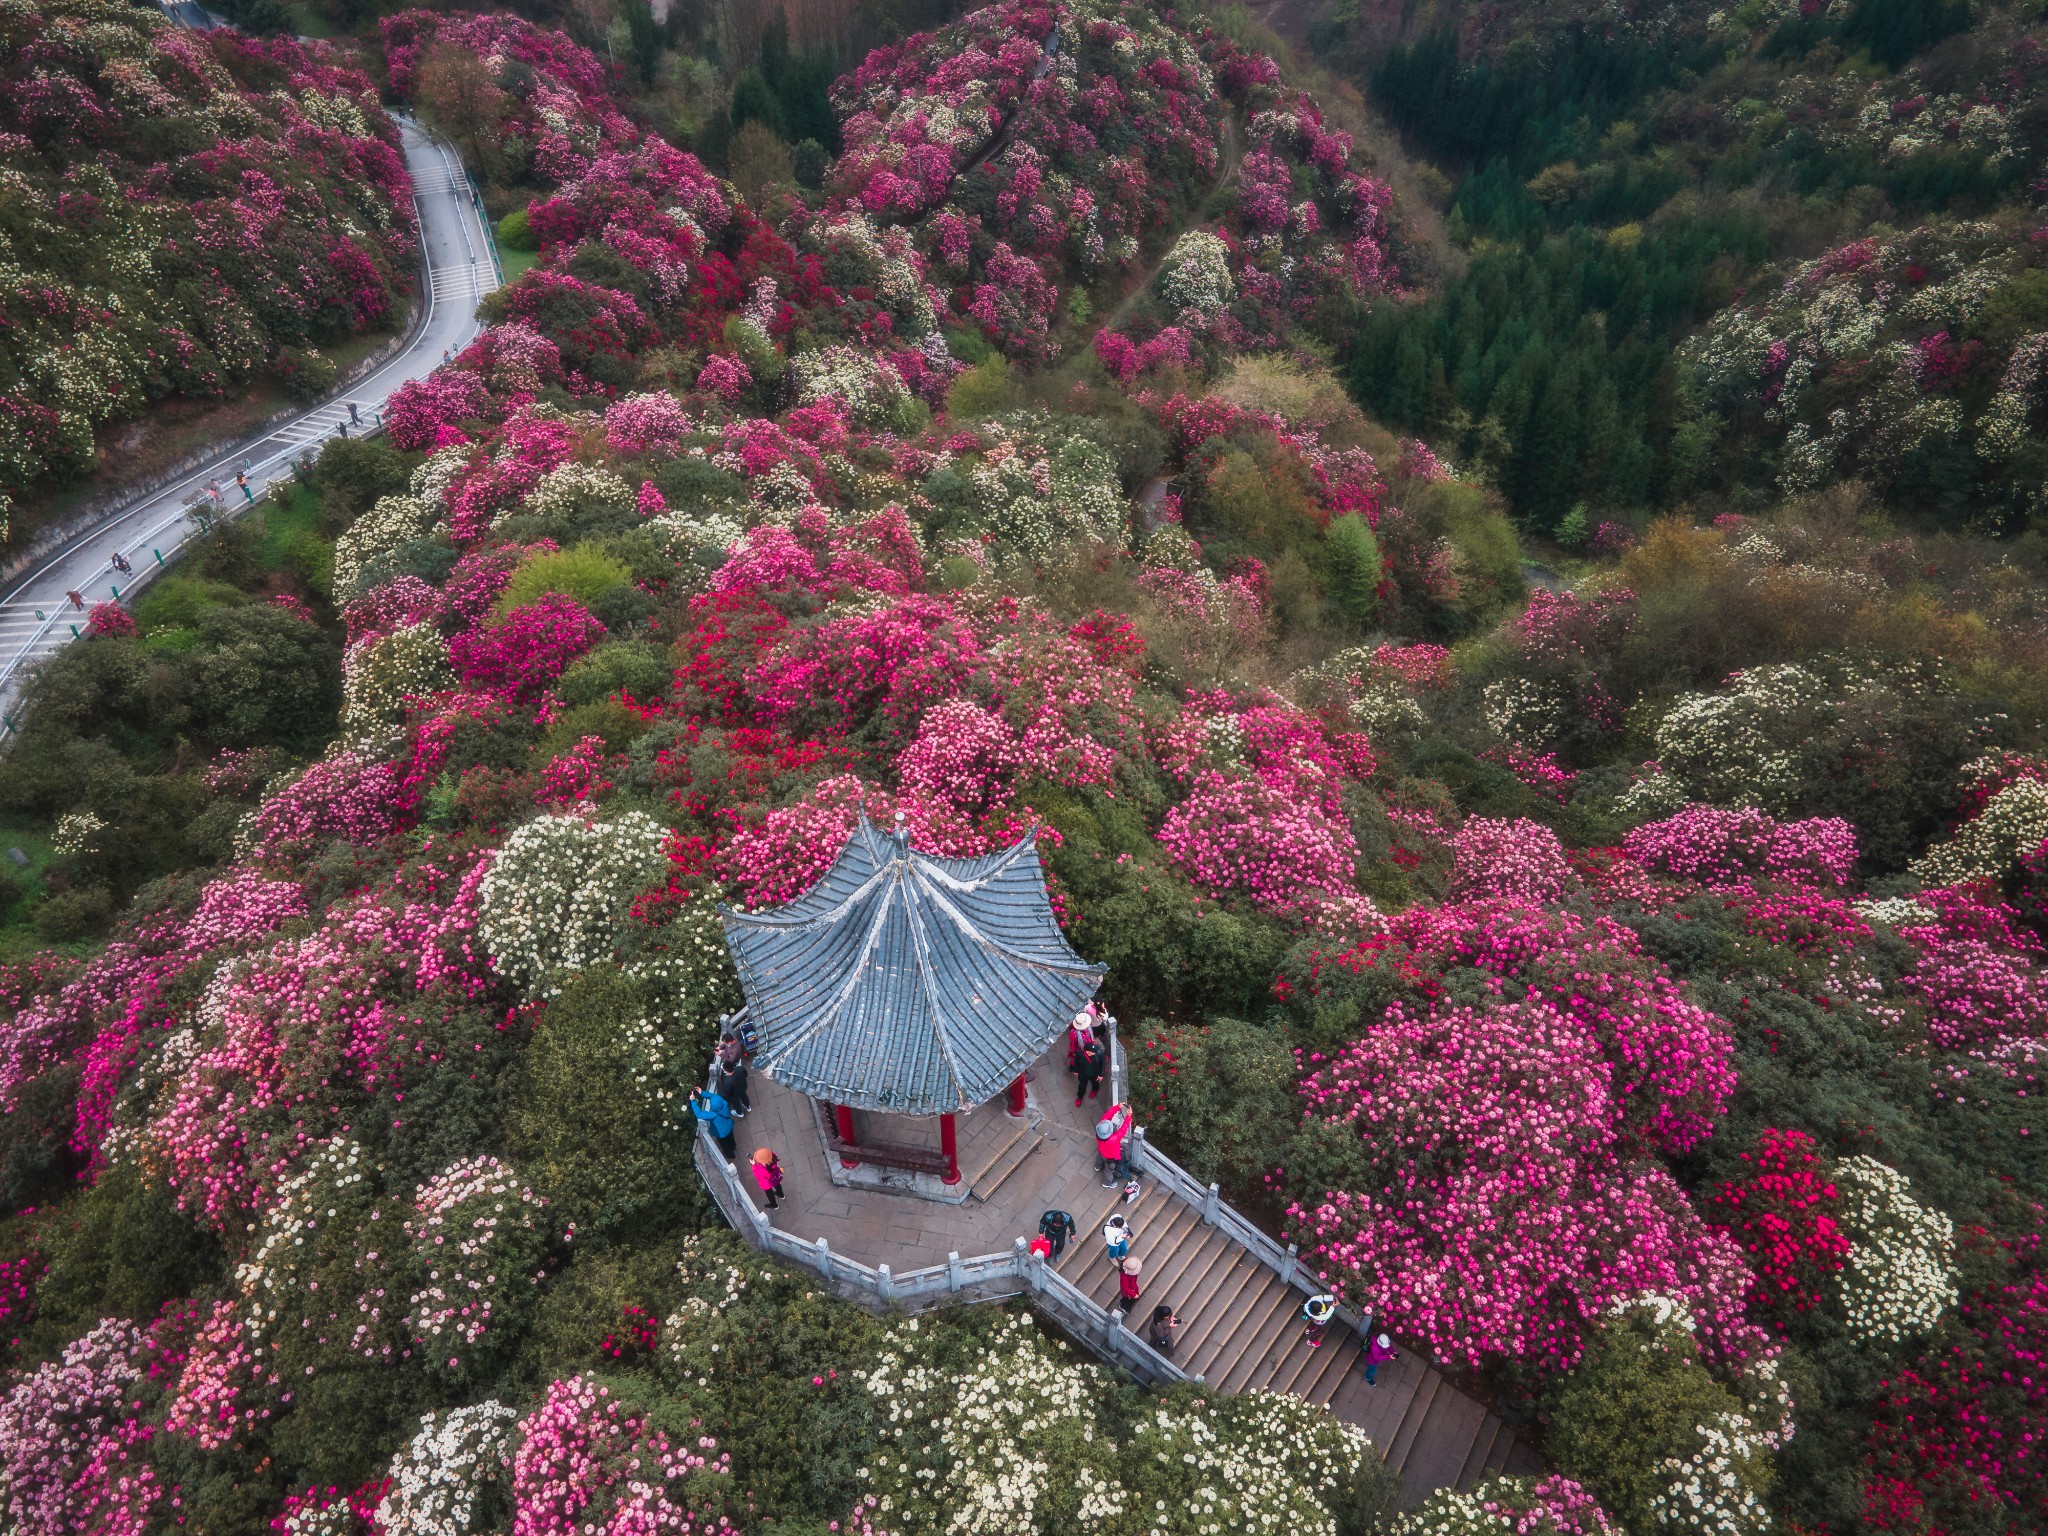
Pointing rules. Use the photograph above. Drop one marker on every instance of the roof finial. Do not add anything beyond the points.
(902, 834)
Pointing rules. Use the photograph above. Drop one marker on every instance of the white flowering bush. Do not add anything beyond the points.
(393, 521)
(448, 1479)
(379, 674)
(1261, 1461)
(872, 392)
(1196, 274)
(477, 1242)
(1739, 746)
(1659, 1438)
(1901, 1273)
(308, 1230)
(1522, 711)
(574, 488)
(1040, 488)
(2013, 823)
(1008, 1441)
(557, 895)
(693, 977)
(77, 832)
(999, 1447)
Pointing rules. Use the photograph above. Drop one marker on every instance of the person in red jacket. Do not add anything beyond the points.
(1110, 1134)
(1127, 1281)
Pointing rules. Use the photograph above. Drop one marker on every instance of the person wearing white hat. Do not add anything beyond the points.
(1379, 1349)
(1127, 1281)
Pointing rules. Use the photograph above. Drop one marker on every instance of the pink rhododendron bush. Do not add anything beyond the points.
(210, 206)
(1613, 1009)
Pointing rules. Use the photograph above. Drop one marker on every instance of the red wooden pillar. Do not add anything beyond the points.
(843, 1116)
(950, 1145)
(1016, 1105)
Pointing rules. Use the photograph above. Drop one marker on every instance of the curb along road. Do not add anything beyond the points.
(37, 618)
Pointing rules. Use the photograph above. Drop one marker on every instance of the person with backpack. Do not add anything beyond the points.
(1091, 1065)
(1116, 1238)
(1316, 1313)
(731, 1066)
(713, 1111)
(1165, 1323)
(1080, 1031)
(1056, 1227)
(1110, 1134)
(1379, 1349)
(768, 1174)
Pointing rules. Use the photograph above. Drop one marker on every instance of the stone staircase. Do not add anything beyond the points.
(1237, 1290)
(1242, 1329)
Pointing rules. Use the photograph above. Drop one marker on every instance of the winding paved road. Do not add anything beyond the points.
(37, 617)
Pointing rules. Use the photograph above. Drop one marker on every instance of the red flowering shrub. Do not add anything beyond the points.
(1782, 1213)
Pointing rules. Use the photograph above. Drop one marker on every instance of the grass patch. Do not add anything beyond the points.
(516, 262)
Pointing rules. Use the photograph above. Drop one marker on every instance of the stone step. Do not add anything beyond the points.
(1402, 1441)
(1438, 1449)
(1278, 1322)
(1261, 1304)
(1476, 1464)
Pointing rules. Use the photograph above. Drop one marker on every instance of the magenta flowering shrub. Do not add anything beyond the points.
(341, 796)
(278, 221)
(1521, 859)
(1249, 837)
(70, 1438)
(649, 424)
(1720, 847)
(585, 1463)
(527, 649)
(1508, 1216)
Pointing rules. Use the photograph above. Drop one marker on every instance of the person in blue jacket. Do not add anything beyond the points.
(712, 1109)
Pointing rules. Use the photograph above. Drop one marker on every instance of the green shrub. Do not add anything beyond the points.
(351, 473)
(75, 914)
(620, 666)
(1218, 1097)
(1638, 1399)
(1353, 557)
(582, 573)
(987, 389)
(598, 1149)
(121, 1249)
(175, 601)
(515, 232)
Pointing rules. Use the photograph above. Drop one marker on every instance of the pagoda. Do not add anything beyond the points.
(907, 984)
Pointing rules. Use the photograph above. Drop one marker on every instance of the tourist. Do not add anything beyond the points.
(1116, 1238)
(1165, 1323)
(1127, 1281)
(1090, 1067)
(1316, 1313)
(768, 1174)
(1379, 1349)
(1080, 1033)
(1056, 1227)
(716, 1113)
(1110, 1134)
(730, 1065)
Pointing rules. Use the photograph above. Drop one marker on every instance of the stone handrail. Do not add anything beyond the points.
(985, 1277)
(1151, 1163)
